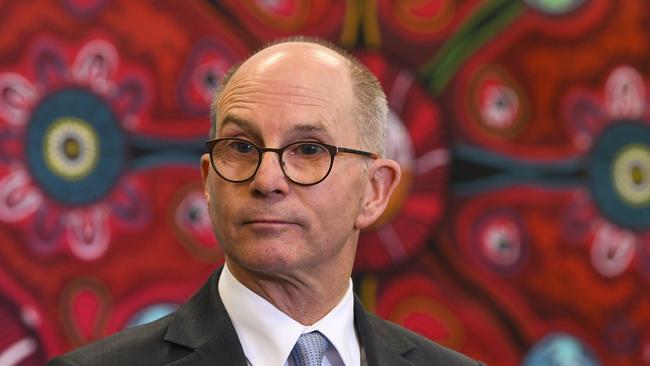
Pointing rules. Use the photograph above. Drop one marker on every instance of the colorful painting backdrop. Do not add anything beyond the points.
(520, 233)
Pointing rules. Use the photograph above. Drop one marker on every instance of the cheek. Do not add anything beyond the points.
(340, 205)
(219, 208)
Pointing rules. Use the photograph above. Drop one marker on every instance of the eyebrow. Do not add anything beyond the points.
(300, 128)
(240, 122)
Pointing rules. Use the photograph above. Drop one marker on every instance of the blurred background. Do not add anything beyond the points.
(519, 234)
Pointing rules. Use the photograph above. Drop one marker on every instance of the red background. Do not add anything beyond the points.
(518, 235)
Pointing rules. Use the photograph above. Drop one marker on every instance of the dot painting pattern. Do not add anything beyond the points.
(519, 233)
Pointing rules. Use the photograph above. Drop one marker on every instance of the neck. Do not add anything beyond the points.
(305, 296)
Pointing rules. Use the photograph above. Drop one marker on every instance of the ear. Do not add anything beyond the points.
(205, 169)
(384, 175)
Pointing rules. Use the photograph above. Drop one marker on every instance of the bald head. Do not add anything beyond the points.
(305, 56)
(306, 60)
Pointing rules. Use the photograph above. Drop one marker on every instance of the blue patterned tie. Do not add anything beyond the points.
(310, 349)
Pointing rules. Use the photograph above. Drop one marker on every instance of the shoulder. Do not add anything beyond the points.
(424, 351)
(141, 345)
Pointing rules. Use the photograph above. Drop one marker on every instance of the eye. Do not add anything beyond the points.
(241, 146)
(307, 149)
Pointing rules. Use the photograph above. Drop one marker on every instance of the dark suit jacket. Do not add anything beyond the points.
(200, 333)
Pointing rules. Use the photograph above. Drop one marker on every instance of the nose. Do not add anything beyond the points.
(269, 178)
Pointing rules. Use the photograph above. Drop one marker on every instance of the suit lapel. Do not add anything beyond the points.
(382, 346)
(203, 325)
(224, 351)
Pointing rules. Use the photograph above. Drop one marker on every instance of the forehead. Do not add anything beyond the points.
(302, 85)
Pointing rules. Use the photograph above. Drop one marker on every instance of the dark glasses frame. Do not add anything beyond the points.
(332, 149)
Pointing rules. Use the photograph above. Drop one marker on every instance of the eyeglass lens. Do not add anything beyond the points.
(302, 162)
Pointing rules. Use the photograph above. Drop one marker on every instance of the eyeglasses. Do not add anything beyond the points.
(302, 162)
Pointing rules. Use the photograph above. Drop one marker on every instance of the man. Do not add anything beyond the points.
(292, 174)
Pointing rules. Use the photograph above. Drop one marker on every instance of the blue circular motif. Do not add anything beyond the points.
(151, 313)
(74, 146)
(620, 174)
(560, 349)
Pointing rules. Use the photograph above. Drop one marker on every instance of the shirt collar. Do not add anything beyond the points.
(268, 335)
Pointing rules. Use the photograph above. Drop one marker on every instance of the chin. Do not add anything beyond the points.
(265, 260)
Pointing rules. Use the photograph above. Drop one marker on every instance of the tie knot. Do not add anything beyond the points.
(310, 349)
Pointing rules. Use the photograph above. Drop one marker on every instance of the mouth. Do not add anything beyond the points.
(262, 222)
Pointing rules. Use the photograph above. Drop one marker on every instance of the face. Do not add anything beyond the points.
(287, 93)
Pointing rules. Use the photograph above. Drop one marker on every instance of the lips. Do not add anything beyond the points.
(268, 222)
(260, 217)
(269, 226)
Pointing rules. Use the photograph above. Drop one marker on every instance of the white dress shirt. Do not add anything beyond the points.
(268, 335)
